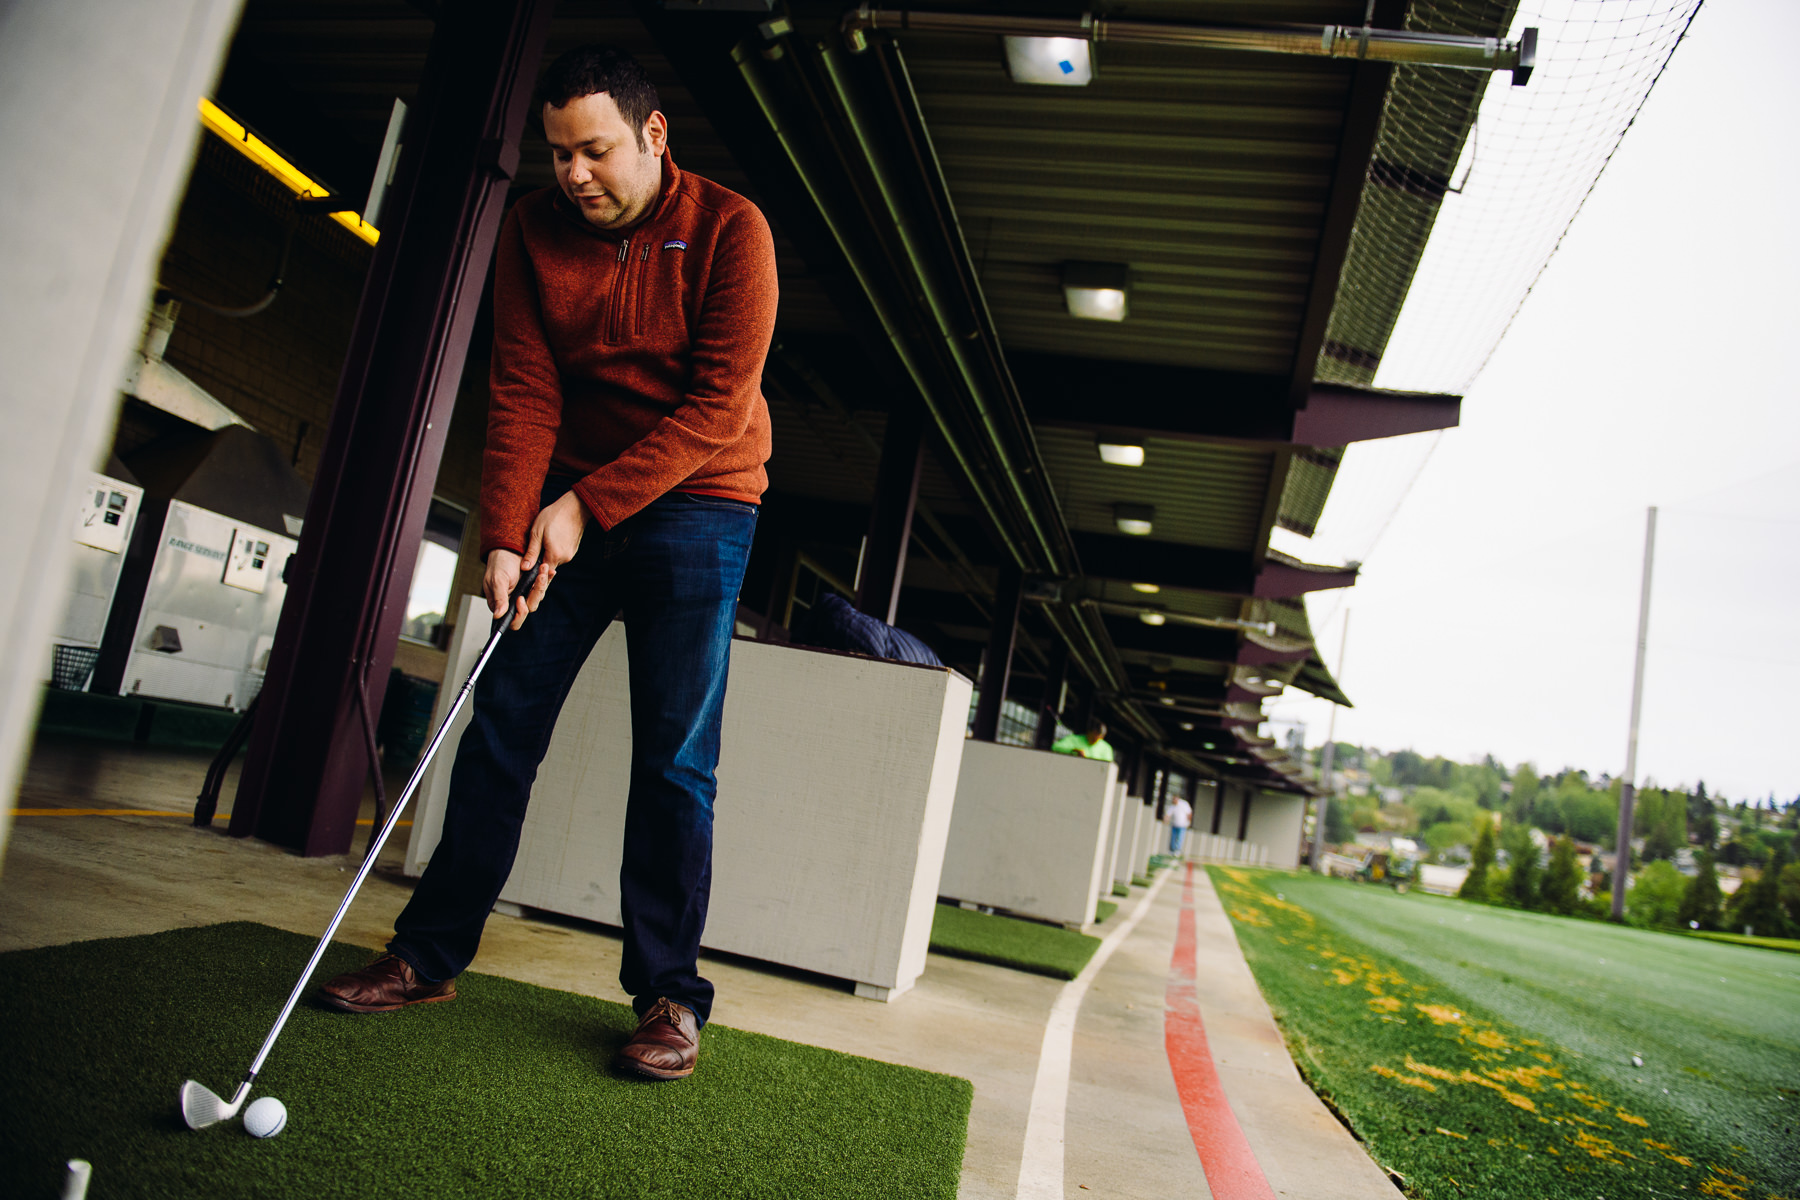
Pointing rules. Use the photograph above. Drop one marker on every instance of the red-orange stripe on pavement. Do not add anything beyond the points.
(1232, 1171)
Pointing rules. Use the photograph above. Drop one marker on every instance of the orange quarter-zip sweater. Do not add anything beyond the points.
(630, 360)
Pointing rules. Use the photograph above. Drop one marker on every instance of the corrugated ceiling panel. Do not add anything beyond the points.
(1204, 494)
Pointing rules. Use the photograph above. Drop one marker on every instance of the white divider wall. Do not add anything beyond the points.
(837, 777)
(1148, 829)
(1132, 833)
(1276, 820)
(1029, 833)
(1116, 838)
(1210, 847)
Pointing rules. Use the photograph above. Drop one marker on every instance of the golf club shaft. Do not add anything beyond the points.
(387, 827)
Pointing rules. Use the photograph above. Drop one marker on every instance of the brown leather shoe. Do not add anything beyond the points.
(384, 985)
(666, 1044)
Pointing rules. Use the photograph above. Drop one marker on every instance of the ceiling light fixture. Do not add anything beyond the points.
(1149, 589)
(1169, 700)
(1121, 453)
(1187, 727)
(1151, 618)
(1054, 61)
(263, 155)
(1096, 291)
(1135, 519)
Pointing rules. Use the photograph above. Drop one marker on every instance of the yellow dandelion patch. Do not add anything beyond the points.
(1408, 1080)
(1420, 1068)
(1494, 1041)
(1600, 1148)
(1342, 976)
(1439, 1014)
(1452, 1133)
(1541, 1056)
(1530, 1078)
(1719, 1187)
(1629, 1119)
(1249, 916)
(1386, 1003)
(1668, 1152)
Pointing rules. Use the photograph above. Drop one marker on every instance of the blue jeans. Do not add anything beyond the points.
(673, 572)
(1176, 837)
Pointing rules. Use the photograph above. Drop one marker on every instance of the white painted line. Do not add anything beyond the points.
(1041, 1169)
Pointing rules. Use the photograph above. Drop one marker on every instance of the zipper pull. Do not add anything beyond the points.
(624, 249)
(645, 256)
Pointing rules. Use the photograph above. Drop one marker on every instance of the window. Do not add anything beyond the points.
(435, 573)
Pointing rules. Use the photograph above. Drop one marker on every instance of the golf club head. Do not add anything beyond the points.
(201, 1106)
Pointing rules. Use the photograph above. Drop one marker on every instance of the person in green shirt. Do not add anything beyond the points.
(1092, 744)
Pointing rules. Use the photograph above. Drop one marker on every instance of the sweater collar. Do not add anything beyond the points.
(665, 199)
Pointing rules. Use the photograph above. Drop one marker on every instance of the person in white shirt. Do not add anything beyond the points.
(1181, 815)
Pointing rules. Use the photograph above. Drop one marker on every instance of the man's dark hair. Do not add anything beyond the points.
(589, 69)
(1096, 730)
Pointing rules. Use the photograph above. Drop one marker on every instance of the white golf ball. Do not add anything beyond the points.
(265, 1117)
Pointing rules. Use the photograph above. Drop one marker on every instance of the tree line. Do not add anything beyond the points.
(1484, 814)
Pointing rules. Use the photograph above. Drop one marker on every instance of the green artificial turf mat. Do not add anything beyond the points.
(1488, 1052)
(1011, 942)
(503, 1092)
(1139, 881)
(1104, 909)
(1119, 889)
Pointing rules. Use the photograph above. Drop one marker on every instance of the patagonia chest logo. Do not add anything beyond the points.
(677, 244)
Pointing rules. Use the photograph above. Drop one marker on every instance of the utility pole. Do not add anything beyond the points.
(1325, 760)
(1628, 787)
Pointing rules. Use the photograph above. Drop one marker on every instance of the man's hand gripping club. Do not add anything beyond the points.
(555, 537)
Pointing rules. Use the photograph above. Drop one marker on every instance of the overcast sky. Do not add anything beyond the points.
(1497, 609)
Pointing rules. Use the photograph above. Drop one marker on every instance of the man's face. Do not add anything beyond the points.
(598, 163)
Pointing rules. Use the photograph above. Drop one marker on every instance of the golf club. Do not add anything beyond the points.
(200, 1105)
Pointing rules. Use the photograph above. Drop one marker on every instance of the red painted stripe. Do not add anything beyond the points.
(1231, 1168)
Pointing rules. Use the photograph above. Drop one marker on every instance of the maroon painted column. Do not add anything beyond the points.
(303, 778)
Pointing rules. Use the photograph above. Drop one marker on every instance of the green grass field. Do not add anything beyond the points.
(503, 1092)
(1488, 1052)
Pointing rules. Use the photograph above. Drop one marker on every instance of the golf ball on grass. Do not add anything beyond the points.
(265, 1117)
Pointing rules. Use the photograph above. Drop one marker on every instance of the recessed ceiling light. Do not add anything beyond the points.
(1149, 589)
(1058, 62)
(1121, 453)
(1169, 700)
(1097, 291)
(1134, 519)
(1187, 727)
(1152, 618)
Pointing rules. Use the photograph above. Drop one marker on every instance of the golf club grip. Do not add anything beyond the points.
(520, 589)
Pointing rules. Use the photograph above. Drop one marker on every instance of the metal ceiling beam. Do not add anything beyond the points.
(1356, 150)
(1198, 404)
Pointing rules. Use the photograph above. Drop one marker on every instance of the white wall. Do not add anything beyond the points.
(1029, 833)
(98, 125)
(1275, 822)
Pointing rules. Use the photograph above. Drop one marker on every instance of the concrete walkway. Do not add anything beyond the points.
(95, 868)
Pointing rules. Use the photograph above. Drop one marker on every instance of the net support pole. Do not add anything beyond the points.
(1325, 760)
(1627, 788)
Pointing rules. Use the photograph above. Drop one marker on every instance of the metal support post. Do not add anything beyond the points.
(1326, 759)
(1628, 786)
(303, 779)
(890, 521)
(1050, 710)
(997, 666)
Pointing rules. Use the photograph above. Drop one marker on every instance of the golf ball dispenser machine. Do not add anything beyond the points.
(106, 509)
(203, 583)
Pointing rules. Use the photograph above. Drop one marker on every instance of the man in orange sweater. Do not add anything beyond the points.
(633, 310)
